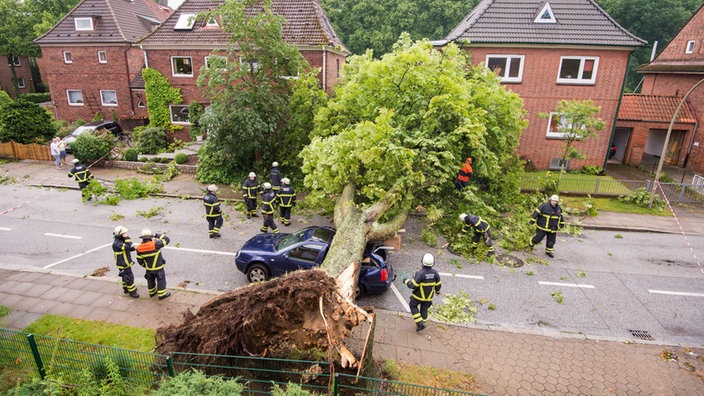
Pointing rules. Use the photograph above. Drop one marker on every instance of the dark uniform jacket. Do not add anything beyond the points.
(121, 250)
(286, 197)
(268, 202)
(149, 253)
(275, 176)
(81, 173)
(212, 205)
(548, 218)
(424, 284)
(480, 225)
(250, 188)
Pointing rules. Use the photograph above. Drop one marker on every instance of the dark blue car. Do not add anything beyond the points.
(269, 255)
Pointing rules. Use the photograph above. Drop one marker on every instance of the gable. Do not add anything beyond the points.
(685, 52)
(307, 25)
(571, 22)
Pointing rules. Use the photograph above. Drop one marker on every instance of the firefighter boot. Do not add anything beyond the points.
(420, 326)
(134, 294)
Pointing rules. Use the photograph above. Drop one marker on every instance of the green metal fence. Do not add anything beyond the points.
(40, 356)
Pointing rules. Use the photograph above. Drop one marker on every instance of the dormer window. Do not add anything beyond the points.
(690, 47)
(545, 15)
(185, 21)
(83, 23)
(212, 22)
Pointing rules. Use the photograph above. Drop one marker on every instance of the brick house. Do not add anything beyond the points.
(181, 46)
(23, 71)
(547, 51)
(89, 59)
(643, 127)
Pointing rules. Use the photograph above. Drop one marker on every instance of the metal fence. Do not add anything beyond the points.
(36, 355)
(599, 186)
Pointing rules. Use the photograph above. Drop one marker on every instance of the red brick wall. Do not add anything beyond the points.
(541, 94)
(24, 71)
(85, 73)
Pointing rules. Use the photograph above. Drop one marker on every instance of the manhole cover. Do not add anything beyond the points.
(641, 335)
(509, 260)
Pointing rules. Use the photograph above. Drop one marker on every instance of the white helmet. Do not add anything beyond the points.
(267, 186)
(252, 174)
(555, 198)
(119, 230)
(428, 260)
(146, 234)
(286, 181)
(212, 188)
(274, 164)
(76, 160)
(462, 216)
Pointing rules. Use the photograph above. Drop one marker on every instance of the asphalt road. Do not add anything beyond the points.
(614, 285)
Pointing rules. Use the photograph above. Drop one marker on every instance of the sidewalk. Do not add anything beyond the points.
(504, 363)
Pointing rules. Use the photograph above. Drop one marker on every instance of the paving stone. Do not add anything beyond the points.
(37, 290)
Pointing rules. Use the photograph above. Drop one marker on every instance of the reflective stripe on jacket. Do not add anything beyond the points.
(121, 250)
(212, 205)
(149, 253)
(424, 284)
(268, 202)
(81, 173)
(250, 188)
(548, 218)
(286, 197)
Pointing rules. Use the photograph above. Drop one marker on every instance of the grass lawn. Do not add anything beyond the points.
(611, 205)
(579, 183)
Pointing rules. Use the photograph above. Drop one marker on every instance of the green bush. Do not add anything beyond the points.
(131, 154)
(641, 197)
(143, 159)
(591, 170)
(164, 160)
(181, 158)
(92, 146)
(25, 122)
(197, 383)
(35, 97)
(150, 140)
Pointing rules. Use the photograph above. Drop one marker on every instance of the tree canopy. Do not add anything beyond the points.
(396, 129)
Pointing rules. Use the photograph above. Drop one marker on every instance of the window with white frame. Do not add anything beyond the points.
(141, 104)
(578, 69)
(212, 22)
(102, 57)
(179, 114)
(253, 64)
(20, 83)
(75, 97)
(108, 97)
(14, 60)
(83, 23)
(690, 47)
(67, 57)
(181, 66)
(557, 125)
(215, 60)
(508, 67)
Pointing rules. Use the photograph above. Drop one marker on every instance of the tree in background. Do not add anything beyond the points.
(576, 121)
(46, 13)
(395, 131)
(377, 24)
(249, 91)
(25, 122)
(652, 21)
(16, 34)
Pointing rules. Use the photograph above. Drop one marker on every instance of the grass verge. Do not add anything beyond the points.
(429, 376)
(611, 205)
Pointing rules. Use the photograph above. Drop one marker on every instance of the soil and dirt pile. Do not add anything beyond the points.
(266, 319)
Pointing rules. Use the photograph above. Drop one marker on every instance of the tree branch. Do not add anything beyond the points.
(383, 231)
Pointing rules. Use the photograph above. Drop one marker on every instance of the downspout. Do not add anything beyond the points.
(618, 108)
(325, 69)
(127, 66)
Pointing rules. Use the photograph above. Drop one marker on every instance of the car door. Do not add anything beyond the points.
(305, 255)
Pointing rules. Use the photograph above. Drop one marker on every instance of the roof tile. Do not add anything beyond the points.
(659, 108)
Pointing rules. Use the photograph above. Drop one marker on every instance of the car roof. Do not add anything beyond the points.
(98, 123)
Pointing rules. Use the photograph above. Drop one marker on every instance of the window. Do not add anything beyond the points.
(181, 66)
(83, 23)
(14, 60)
(217, 60)
(690, 47)
(508, 67)
(185, 21)
(212, 22)
(179, 114)
(108, 98)
(75, 97)
(305, 253)
(577, 70)
(556, 126)
(140, 104)
(545, 15)
(67, 57)
(102, 57)
(20, 83)
(253, 64)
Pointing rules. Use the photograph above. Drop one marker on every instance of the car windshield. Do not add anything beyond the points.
(289, 240)
(81, 129)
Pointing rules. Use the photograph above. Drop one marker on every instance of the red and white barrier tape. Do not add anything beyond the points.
(691, 249)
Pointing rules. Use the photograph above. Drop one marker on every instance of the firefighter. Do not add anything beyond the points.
(425, 283)
(275, 177)
(548, 220)
(121, 248)
(287, 199)
(149, 256)
(481, 230)
(464, 174)
(82, 175)
(250, 189)
(268, 200)
(213, 213)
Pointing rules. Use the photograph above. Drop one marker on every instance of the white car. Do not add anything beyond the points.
(111, 126)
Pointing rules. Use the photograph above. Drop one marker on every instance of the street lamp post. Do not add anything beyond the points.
(667, 139)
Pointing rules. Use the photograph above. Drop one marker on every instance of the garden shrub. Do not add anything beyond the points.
(641, 197)
(197, 383)
(591, 170)
(35, 97)
(150, 140)
(181, 158)
(25, 122)
(92, 146)
(164, 160)
(131, 154)
(143, 159)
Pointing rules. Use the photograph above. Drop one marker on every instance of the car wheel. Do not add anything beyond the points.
(359, 291)
(257, 273)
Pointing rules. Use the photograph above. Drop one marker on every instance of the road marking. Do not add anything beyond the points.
(78, 255)
(676, 293)
(400, 298)
(201, 251)
(63, 236)
(462, 276)
(567, 285)
(5, 229)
